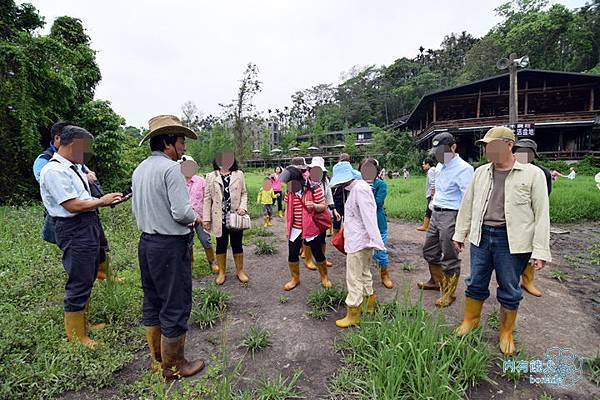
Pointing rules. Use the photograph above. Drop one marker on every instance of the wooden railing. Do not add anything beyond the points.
(569, 155)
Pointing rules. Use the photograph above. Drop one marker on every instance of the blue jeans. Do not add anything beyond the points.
(381, 257)
(493, 254)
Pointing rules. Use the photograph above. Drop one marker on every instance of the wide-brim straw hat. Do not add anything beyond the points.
(167, 125)
(318, 162)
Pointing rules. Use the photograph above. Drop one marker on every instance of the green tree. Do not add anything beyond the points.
(350, 146)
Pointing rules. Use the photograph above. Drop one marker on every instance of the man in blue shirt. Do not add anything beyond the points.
(452, 178)
(67, 198)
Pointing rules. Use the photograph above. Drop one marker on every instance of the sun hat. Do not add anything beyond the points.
(343, 172)
(526, 144)
(497, 133)
(299, 162)
(318, 162)
(167, 125)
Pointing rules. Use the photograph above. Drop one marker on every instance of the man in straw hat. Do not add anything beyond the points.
(163, 213)
(505, 214)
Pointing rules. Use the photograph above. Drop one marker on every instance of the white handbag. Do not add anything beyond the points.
(237, 222)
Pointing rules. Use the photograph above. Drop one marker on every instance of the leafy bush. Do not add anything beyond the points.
(264, 248)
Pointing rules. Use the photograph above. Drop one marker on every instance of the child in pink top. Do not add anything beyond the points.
(195, 187)
(277, 189)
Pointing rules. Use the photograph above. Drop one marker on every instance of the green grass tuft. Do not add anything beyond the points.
(256, 339)
(322, 300)
(208, 304)
(264, 248)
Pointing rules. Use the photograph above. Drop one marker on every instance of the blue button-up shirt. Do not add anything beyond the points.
(451, 182)
(59, 183)
(40, 162)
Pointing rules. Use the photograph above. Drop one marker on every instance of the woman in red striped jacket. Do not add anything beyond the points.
(303, 201)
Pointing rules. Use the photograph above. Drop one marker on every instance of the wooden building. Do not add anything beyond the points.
(563, 108)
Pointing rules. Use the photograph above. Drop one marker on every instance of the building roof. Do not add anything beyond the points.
(536, 77)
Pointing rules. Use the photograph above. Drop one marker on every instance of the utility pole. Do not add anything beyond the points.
(511, 64)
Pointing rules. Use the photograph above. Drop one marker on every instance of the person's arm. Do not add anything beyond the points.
(381, 193)
(464, 179)
(178, 197)
(79, 206)
(464, 217)
(368, 215)
(541, 212)
(258, 197)
(38, 164)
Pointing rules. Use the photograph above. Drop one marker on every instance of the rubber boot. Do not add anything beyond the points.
(153, 339)
(432, 284)
(174, 364)
(105, 271)
(265, 223)
(269, 221)
(75, 328)
(472, 316)
(280, 213)
(210, 257)
(222, 263)
(295, 273)
(507, 325)
(527, 281)
(370, 302)
(301, 252)
(328, 263)
(323, 272)
(447, 289)
(352, 317)
(308, 259)
(239, 266)
(101, 275)
(425, 226)
(385, 278)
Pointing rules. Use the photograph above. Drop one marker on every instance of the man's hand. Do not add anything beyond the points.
(539, 264)
(206, 225)
(198, 220)
(110, 198)
(91, 177)
(337, 215)
(459, 246)
(241, 211)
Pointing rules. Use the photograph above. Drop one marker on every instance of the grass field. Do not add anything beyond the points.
(37, 363)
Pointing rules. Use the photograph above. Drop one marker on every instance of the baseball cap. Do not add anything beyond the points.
(442, 139)
(526, 144)
(497, 133)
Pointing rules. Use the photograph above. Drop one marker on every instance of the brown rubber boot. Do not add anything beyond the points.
(352, 317)
(210, 257)
(385, 278)
(174, 364)
(527, 281)
(295, 272)
(308, 259)
(88, 327)
(153, 339)
(328, 263)
(75, 328)
(222, 263)
(425, 226)
(239, 266)
(472, 316)
(323, 272)
(507, 325)
(370, 302)
(447, 289)
(105, 271)
(432, 284)
(101, 275)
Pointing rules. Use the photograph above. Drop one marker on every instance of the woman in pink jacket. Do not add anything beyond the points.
(195, 187)
(277, 189)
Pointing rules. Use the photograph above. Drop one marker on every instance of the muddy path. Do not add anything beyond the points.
(562, 317)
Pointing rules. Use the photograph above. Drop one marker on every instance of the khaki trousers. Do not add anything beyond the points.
(358, 276)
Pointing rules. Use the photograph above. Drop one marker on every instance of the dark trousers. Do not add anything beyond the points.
(493, 254)
(438, 247)
(315, 247)
(427, 210)
(166, 281)
(234, 237)
(279, 201)
(79, 239)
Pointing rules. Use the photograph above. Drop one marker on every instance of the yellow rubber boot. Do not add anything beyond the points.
(472, 316)
(385, 278)
(447, 289)
(435, 270)
(269, 221)
(425, 226)
(507, 325)
(265, 224)
(325, 282)
(210, 257)
(153, 339)
(221, 261)
(308, 259)
(527, 281)
(295, 273)
(239, 266)
(370, 302)
(352, 318)
(75, 328)
(328, 263)
(280, 213)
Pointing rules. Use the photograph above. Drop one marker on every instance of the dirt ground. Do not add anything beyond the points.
(567, 315)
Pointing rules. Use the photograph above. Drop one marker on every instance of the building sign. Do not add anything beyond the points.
(523, 129)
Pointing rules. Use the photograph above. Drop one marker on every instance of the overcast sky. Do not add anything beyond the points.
(155, 55)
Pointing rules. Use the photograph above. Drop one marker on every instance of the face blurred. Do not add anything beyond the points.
(316, 174)
(267, 185)
(225, 159)
(80, 151)
(498, 151)
(189, 168)
(524, 155)
(368, 171)
(445, 153)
